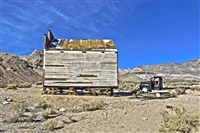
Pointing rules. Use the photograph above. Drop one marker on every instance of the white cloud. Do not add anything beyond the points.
(24, 23)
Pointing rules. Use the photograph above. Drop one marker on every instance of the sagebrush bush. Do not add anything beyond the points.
(18, 115)
(47, 112)
(95, 105)
(20, 109)
(173, 93)
(71, 119)
(51, 125)
(11, 87)
(13, 118)
(180, 121)
(43, 104)
(25, 85)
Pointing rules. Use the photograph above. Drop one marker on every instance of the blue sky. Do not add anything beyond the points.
(145, 32)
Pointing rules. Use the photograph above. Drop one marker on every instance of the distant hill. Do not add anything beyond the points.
(19, 69)
(170, 72)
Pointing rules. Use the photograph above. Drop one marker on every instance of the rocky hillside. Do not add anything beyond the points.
(19, 69)
(170, 72)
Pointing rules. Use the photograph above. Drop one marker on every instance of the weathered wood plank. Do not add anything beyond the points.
(110, 45)
(93, 44)
(69, 45)
(78, 68)
(100, 44)
(65, 44)
(108, 67)
(74, 55)
(68, 84)
(104, 84)
(84, 44)
(70, 69)
(76, 45)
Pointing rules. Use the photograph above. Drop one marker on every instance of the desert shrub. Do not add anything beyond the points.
(173, 93)
(70, 119)
(43, 104)
(11, 87)
(31, 118)
(51, 125)
(2, 85)
(47, 112)
(128, 86)
(95, 105)
(25, 85)
(180, 121)
(20, 109)
(13, 118)
(19, 115)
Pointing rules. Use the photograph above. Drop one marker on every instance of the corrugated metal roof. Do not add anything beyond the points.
(70, 44)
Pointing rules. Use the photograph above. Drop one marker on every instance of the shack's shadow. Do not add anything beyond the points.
(123, 93)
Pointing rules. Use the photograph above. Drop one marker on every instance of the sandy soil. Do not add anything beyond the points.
(108, 114)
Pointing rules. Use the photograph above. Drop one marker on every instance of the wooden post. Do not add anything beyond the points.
(50, 35)
(46, 42)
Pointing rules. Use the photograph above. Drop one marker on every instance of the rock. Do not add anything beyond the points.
(27, 114)
(9, 100)
(145, 119)
(30, 109)
(125, 112)
(5, 102)
(188, 91)
(37, 120)
(62, 110)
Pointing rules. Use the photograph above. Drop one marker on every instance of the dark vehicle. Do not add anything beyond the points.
(155, 83)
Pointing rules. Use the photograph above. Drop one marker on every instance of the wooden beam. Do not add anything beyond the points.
(50, 35)
(46, 42)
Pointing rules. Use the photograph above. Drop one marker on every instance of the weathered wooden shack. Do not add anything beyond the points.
(71, 64)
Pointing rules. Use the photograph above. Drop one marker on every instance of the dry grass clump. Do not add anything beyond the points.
(13, 118)
(95, 105)
(51, 125)
(70, 119)
(173, 93)
(19, 115)
(179, 121)
(46, 113)
(128, 86)
(20, 109)
(25, 85)
(11, 87)
(43, 104)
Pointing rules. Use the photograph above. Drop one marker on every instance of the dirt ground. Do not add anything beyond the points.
(27, 111)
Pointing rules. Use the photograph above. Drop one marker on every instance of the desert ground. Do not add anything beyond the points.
(26, 110)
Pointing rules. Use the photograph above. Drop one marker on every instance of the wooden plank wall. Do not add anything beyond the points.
(80, 69)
